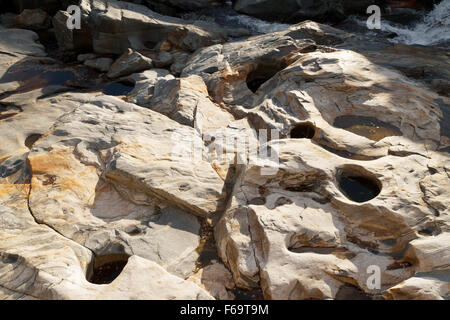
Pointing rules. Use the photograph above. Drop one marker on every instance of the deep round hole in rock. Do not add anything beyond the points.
(359, 187)
(107, 268)
(304, 130)
(262, 74)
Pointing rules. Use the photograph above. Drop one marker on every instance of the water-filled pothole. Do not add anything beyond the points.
(37, 73)
(368, 127)
(31, 139)
(262, 74)
(108, 267)
(358, 186)
(118, 89)
(304, 130)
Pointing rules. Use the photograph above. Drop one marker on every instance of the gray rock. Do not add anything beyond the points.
(86, 56)
(120, 25)
(130, 62)
(100, 64)
(163, 59)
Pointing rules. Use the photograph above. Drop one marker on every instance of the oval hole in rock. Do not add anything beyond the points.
(357, 186)
(118, 89)
(31, 139)
(368, 127)
(107, 268)
(304, 130)
(262, 74)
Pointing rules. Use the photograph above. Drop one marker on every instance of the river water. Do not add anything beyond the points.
(428, 29)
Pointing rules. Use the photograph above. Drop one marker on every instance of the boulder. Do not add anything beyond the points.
(34, 19)
(115, 26)
(128, 63)
(99, 64)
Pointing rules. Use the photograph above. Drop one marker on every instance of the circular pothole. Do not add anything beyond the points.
(261, 74)
(107, 268)
(305, 130)
(358, 186)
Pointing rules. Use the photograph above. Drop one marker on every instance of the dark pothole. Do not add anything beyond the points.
(358, 186)
(368, 127)
(262, 74)
(118, 89)
(107, 268)
(31, 140)
(304, 130)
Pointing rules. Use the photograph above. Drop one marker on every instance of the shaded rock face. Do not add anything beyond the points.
(115, 26)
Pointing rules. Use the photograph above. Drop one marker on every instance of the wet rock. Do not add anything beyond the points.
(128, 63)
(99, 64)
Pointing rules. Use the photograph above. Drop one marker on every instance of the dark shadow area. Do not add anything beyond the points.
(106, 268)
(304, 130)
(262, 74)
(31, 139)
(118, 89)
(357, 185)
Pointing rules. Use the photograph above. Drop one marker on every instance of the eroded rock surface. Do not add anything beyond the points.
(124, 197)
(114, 26)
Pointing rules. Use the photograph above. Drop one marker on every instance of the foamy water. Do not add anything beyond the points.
(432, 30)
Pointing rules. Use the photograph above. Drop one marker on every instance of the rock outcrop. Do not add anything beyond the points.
(114, 26)
(300, 164)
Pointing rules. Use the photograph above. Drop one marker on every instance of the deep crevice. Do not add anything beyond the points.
(305, 130)
(106, 268)
(261, 74)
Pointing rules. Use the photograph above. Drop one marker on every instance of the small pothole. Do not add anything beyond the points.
(262, 74)
(31, 140)
(357, 186)
(107, 268)
(304, 130)
(368, 127)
